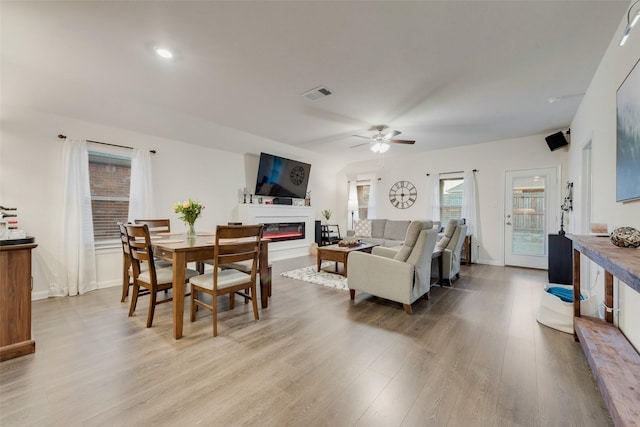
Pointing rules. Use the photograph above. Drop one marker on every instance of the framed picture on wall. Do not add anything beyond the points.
(628, 137)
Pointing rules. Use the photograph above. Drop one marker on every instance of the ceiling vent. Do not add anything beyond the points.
(317, 93)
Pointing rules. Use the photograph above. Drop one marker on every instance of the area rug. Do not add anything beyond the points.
(324, 278)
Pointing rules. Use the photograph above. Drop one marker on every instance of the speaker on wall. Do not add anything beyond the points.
(556, 140)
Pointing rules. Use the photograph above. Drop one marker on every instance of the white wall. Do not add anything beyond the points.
(491, 159)
(31, 176)
(595, 121)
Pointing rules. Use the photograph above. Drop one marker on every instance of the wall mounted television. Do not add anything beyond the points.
(280, 177)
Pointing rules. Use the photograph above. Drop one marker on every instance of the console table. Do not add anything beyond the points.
(615, 363)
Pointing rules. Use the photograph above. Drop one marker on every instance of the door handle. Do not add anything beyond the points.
(508, 222)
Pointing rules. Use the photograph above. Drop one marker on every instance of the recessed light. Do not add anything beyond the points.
(165, 53)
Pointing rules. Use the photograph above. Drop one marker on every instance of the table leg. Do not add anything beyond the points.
(179, 266)
(265, 278)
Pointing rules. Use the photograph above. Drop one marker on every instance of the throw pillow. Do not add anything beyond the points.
(362, 228)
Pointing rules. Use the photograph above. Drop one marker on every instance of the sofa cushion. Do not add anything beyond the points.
(377, 228)
(362, 228)
(411, 237)
(395, 230)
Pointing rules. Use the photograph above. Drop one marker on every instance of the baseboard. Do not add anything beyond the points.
(35, 296)
(489, 262)
(109, 284)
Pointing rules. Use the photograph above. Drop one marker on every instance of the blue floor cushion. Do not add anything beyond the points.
(564, 294)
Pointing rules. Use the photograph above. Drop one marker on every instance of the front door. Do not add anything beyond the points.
(530, 215)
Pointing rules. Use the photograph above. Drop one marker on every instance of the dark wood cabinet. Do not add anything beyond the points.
(560, 260)
(15, 300)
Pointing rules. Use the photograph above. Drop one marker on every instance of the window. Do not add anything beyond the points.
(451, 193)
(362, 188)
(109, 178)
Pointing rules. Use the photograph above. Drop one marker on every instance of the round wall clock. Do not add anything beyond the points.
(297, 175)
(403, 194)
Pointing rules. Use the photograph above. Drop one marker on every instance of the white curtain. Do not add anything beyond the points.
(435, 198)
(141, 203)
(76, 273)
(373, 202)
(352, 202)
(470, 204)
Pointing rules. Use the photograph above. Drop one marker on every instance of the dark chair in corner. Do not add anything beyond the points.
(234, 244)
(145, 274)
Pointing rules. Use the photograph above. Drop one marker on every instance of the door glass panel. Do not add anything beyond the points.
(529, 215)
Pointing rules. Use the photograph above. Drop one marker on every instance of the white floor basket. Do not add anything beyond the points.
(557, 314)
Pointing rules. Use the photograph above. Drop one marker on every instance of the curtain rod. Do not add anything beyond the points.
(61, 136)
(444, 173)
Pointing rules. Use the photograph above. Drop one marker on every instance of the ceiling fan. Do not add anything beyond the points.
(379, 142)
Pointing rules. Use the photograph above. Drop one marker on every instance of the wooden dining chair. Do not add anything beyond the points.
(155, 225)
(151, 278)
(127, 269)
(233, 244)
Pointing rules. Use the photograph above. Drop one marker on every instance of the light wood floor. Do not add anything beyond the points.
(473, 355)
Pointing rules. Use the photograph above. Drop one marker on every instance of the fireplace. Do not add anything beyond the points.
(282, 231)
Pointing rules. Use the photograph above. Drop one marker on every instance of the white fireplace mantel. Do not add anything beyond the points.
(264, 214)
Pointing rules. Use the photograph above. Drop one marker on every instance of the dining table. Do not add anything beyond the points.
(180, 250)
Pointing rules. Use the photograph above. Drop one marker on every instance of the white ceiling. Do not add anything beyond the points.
(445, 73)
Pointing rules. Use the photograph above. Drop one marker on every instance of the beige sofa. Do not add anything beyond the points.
(385, 232)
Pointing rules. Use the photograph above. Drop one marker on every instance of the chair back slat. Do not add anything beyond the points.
(238, 231)
(155, 225)
(124, 239)
(236, 243)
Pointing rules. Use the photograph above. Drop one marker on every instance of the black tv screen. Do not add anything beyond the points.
(280, 177)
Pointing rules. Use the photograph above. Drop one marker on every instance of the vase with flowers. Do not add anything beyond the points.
(189, 211)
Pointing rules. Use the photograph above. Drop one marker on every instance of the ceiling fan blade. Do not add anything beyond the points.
(359, 145)
(391, 134)
(360, 136)
(402, 141)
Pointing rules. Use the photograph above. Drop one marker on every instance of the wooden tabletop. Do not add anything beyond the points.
(623, 263)
(359, 247)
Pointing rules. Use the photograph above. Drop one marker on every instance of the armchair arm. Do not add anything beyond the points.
(380, 276)
(384, 251)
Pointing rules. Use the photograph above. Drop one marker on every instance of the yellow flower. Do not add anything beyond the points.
(188, 210)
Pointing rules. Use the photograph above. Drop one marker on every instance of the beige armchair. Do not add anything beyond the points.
(451, 244)
(402, 275)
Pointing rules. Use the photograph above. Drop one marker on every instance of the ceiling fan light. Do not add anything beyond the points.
(164, 53)
(380, 147)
